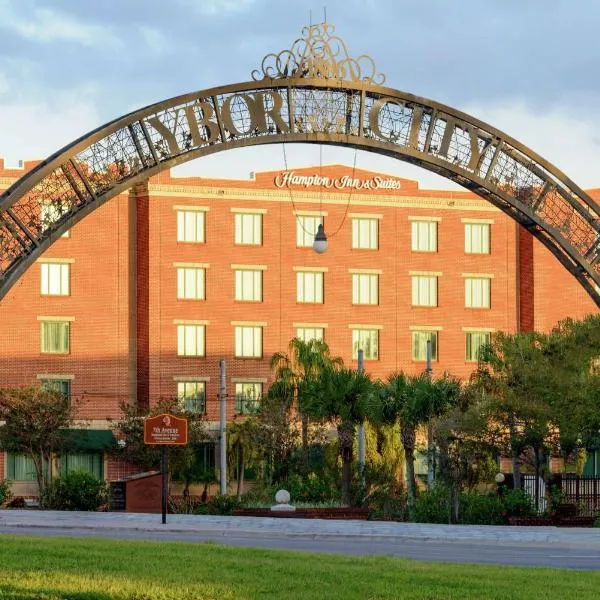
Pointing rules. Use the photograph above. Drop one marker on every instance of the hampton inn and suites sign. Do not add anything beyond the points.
(289, 178)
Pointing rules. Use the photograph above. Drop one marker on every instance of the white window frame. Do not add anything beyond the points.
(248, 341)
(306, 334)
(191, 339)
(191, 283)
(248, 285)
(310, 287)
(477, 238)
(471, 349)
(248, 228)
(424, 290)
(44, 325)
(245, 405)
(424, 236)
(478, 292)
(419, 339)
(365, 288)
(368, 341)
(55, 279)
(306, 229)
(182, 391)
(365, 233)
(191, 226)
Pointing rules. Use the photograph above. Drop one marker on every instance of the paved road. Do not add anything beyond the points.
(539, 546)
(445, 551)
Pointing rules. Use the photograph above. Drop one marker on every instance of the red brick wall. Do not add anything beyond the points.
(526, 281)
(279, 253)
(139, 194)
(98, 301)
(103, 273)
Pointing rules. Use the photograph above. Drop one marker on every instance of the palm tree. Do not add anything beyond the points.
(343, 396)
(413, 401)
(241, 439)
(297, 372)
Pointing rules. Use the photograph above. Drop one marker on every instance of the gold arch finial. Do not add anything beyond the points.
(318, 54)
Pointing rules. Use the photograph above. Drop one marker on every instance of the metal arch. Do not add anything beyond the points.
(67, 186)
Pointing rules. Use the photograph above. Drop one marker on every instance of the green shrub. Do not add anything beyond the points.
(474, 508)
(481, 509)
(220, 505)
(518, 503)
(5, 493)
(433, 506)
(77, 491)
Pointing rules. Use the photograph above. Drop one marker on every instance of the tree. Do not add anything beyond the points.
(243, 448)
(297, 372)
(412, 401)
(146, 456)
(521, 380)
(35, 422)
(343, 396)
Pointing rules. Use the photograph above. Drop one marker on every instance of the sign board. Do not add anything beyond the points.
(166, 430)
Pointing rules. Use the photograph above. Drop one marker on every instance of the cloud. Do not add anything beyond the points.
(217, 7)
(569, 139)
(35, 129)
(46, 26)
(155, 40)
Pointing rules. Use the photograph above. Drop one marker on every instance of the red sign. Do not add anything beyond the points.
(167, 430)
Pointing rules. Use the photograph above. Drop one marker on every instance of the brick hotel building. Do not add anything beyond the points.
(141, 299)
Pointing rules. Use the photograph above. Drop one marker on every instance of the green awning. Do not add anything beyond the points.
(87, 440)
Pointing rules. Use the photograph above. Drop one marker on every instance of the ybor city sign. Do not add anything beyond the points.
(314, 92)
(289, 178)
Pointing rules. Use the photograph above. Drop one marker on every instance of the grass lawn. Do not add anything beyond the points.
(95, 569)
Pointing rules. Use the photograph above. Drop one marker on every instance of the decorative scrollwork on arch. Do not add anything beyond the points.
(319, 54)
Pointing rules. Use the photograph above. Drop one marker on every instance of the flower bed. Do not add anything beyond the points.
(342, 513)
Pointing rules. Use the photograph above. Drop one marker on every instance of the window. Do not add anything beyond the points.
(247, 397)
(248, 285)
(62, 386)
(474, 341)
(21, 467)
(248, 342)
(477, 238)
(310, 333)
(424, 236)
(419, 345)
(365, 234)
(477, 292)
(424, 290)
(50, 213)
(55, 279)
(309, 287)
(55, 337)
(366, 340)
(190, 226)
(191, 396)
(190, 283)
(190, 340)
(248, 229)
(306, 229)
(365, 288)
(90, 462)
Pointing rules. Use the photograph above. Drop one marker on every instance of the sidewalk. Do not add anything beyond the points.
(219, 526)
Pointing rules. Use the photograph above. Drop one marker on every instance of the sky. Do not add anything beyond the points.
(529, 67)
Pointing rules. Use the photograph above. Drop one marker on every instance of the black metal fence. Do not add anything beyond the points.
(584, 492)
